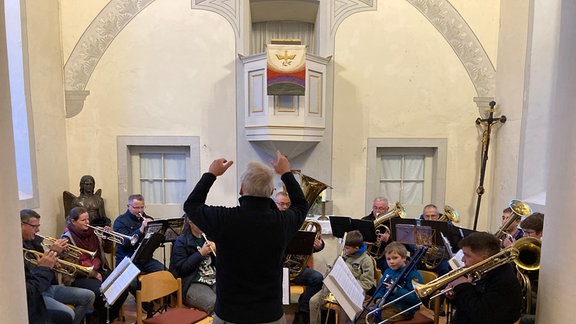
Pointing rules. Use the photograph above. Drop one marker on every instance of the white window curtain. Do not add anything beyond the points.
(402, 178)
(264, 32)
(163, 177)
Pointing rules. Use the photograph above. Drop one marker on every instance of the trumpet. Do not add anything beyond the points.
(210, 246)
(71, 251)
(67, 268)
(116, 237)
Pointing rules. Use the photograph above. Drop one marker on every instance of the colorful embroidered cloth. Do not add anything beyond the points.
(286, 70)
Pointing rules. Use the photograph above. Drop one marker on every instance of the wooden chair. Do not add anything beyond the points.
(160, 284)
(420, 317)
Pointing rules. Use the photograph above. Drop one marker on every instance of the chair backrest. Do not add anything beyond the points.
(428, 276)
(377, 271)
(155, 285)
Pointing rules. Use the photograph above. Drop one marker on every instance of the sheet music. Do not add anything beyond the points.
(285, 286)
(345, 288)
(119, 280)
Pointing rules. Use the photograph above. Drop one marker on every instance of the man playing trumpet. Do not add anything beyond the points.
(54, 296)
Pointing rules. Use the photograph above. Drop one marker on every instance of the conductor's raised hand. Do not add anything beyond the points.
(281, 165)
(219, 166)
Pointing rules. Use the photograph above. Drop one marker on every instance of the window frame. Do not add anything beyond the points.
(438, 185)
(124, 151)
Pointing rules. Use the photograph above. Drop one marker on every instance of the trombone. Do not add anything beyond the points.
(71, 250)
(115, 237)
(67, 268)
(525, 252)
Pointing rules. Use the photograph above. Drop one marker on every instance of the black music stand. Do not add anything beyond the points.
(343, 224)
(302, 243)
(145, 250)
(171, 228)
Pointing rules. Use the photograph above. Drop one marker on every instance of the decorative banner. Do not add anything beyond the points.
(286, 69)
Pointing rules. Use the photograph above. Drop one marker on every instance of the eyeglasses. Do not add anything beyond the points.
(283, 203)
(138, 207)
(35, 226)
(379, 208)
(529, 232)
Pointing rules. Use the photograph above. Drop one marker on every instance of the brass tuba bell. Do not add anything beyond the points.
(311, 187)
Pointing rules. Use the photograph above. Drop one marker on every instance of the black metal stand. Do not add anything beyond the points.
(487, 123)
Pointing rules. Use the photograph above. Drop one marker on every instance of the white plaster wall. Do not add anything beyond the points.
(395, 76)
(510, 95)
(171, 71)
(47, 100)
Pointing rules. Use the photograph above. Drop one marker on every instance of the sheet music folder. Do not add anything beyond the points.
(119, 280)
(302, 243)
(343, 224)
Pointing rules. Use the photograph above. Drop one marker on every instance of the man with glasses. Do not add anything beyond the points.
(47, 301)
(379, 207)
(134, 221)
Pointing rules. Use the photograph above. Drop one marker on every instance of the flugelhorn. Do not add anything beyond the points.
(116, 237)
(65, 267)
(525, 252)
(71, 250)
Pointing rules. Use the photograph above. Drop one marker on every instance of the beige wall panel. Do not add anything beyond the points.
(395, 77)
(47, 99)
(76, 16)
(170, 72)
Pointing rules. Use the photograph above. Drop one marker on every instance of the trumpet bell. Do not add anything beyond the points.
(451, 214)
(520, 208)
(529, 249)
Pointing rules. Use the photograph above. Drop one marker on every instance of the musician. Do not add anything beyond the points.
(39, 282)
(380, 207)
(513, 231)
(430, 213)
(360, 264)
(134, 221)
(249, 288)
(310, 278)
(396, 257)
(194, 261)
(79, 234)
(533, 226)
(496, 297)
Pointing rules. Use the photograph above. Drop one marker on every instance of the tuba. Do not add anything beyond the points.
(397, 211)
(519, 209)
(311, 188)
(296, 263)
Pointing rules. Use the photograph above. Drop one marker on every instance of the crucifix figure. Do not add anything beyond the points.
(487, 124)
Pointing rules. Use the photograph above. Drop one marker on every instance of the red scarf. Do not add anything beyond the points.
(86, 240)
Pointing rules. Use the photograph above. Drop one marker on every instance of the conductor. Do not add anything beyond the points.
(244, 293)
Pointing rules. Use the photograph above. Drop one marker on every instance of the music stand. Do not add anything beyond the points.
(343, 224)
(146, 249)
(171, 228)
(302, 243)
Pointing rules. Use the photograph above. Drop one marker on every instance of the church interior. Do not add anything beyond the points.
(457, 103)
